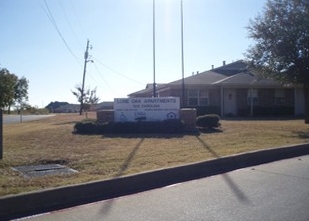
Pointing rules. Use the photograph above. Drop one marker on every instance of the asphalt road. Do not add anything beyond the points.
(276, 191)
(10, 119)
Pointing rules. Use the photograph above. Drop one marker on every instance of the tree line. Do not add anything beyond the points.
(13, 90)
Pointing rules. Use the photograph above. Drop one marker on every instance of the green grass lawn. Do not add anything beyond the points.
(99, 157)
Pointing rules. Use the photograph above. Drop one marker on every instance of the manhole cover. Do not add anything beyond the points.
(44, 170)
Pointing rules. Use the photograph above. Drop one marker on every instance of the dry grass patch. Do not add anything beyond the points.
(98, 157)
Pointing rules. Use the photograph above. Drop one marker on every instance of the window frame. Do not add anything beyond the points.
(198, 97)
(253, 94)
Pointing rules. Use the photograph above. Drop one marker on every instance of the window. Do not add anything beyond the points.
(198, 97)
(252, 95)
(279, 97)
(193, 97)
(203, 98)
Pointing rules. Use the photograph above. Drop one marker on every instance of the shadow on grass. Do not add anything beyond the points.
(210, 130)
(159, 136)
(65, 123)
(108, 204)
(270, 118)
(130, 157)
(206, 146)
(241, 196)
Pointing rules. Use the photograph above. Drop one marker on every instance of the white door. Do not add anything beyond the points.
(230, 102)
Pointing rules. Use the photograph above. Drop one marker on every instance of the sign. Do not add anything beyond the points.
(146, 109)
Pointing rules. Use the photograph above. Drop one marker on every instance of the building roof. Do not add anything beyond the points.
(69, 106)
(234, 74)
(148, 89)
(105, 105)
(56, 104)
(232, 68)
(205, 78)
(244, 79)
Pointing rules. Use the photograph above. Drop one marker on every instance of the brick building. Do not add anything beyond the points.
(232, 90)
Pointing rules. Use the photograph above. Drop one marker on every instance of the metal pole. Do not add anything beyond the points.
(84, 75)
(182, 58)
(21, 114)
(251, 102)
(1, 134)
(154, 51)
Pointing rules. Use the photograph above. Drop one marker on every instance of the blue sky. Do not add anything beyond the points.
(45, 41)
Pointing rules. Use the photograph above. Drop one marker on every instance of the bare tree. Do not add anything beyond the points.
(86, 98)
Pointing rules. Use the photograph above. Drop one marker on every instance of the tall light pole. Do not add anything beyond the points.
(154, 48)
(182, 57)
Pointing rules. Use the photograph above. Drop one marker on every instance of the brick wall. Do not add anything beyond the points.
(105, 115)
(188, 115)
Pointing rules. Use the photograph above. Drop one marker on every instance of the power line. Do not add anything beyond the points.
(101, 75)
(52, 20)
(69, 23)
(77, 18)
(116, 72)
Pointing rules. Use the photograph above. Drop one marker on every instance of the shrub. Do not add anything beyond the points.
(208, 121)
(200, 111)
(146, 127)
(86, 127)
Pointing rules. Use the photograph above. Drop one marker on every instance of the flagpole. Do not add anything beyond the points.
(154, 51)
(182, 57)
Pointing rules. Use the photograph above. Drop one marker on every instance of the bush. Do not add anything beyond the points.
(140, 127)
(86, 127)
(208, 121)
(200, 111)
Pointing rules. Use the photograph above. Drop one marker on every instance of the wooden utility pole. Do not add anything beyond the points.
(84, 75)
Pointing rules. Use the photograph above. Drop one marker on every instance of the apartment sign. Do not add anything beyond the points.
(146, 109)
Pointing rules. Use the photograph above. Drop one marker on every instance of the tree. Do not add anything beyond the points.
(7, 84)
(93, 99)
(281, 51)
(80, 95)
(21, 92)
(12, 90)
(86, 98)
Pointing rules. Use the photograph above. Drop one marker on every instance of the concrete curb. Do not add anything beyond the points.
(21, 205)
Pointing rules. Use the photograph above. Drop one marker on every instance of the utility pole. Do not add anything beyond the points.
(84, 75)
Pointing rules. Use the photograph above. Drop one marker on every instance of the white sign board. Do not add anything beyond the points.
(146, 109)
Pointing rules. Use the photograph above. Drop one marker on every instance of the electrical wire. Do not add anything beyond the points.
(69, 23)
(116, 72)
(101, 75)
(52, 20)
(77, 19)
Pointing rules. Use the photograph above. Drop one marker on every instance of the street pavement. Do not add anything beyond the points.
(10, 119)
(277, 191)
